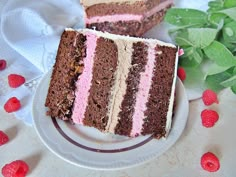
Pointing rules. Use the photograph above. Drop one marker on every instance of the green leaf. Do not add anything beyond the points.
(233, 88)
(188, 52)
(215, 6)
(213, 81)
(229, 32)
(216, 18)
(197, 56)
(188, 62)
(234, 70)
(181, 39)
(183, 17)
(201, 37)
(220, 54)
(229, 82)
(215, 69)
(231, 12)
(229, 3)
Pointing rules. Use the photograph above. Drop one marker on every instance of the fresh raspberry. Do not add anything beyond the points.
(181, 52)
(209, 118)
(17, 168)
(3, 64)
(209, 97)
(181, 73)
(15, 80)
(210, 162)
(13, 104)
(3, 138)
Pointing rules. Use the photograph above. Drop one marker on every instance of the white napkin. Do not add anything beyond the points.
(30, 34)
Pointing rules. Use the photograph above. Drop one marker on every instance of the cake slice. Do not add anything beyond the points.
(126, 17)
(117, 84)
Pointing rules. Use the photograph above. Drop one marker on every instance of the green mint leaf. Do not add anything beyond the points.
(229, 3)
(188, 52)
(216, 18)
(220, 54)
(231, 12)
(197, 55)
(183, 17)
(215, 69)
(215, 5)
(228, 44)
(229, 82)
(202, 37)
(213, 81)
(229, 32)
(234, 70)
(233, 88)
(181, 39)
(188, 62)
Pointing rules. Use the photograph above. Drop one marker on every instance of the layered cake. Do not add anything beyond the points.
(117, 84)
(126, 17)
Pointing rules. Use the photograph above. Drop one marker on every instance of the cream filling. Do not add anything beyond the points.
(171, 101)
(125, 51)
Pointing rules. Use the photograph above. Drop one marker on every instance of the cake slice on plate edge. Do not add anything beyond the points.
(117, 84)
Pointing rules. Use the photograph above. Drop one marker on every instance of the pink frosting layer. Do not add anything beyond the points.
(113, 18)
(127, 17)
(83, 83)
(143, 93)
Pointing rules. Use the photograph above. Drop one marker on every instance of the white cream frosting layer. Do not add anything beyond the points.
(172, 97)
(119, 89)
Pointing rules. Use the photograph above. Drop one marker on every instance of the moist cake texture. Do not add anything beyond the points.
(117, 84)
(133, 18)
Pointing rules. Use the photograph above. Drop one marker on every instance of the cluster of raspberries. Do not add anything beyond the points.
(17, 168)
(14, 81)
(209, 117)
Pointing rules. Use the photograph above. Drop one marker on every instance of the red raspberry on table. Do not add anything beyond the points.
(3, 138)
(181, 73)
(3, 64)
(209, 117)
(209, 97)
(15, 80)
(17, 168)
(12, 105)
(210, 162)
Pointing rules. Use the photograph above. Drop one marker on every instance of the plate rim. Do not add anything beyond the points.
(145, 160)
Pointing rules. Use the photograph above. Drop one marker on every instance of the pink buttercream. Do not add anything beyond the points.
(83, 83)
(113, 18)
(127, 17)
(143, 93)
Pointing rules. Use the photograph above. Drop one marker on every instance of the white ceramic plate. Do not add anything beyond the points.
(89, 148)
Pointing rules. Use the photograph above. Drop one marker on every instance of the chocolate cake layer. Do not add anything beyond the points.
(131, 28)
(138, 63)
(160, 93)
(105, 63)
(138, 7)
(68, 66)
